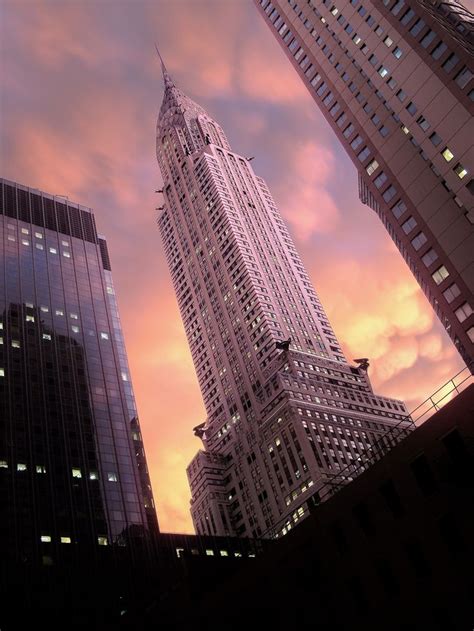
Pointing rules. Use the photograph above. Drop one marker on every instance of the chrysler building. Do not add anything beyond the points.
(286, 411)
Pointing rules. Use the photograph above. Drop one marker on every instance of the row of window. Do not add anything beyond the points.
(75, 471)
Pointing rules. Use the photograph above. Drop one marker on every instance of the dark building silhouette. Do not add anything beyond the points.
(73, 472)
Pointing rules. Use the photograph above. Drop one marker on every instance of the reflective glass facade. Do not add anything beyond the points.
(72, 466)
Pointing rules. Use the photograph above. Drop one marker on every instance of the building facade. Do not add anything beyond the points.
(285, 410)
(394, 80)
(72, 466)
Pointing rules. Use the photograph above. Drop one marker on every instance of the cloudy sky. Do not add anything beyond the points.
(81, 93)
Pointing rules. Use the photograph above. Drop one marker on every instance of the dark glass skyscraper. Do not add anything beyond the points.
(72, 465)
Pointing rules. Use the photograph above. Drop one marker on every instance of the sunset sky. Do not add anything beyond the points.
(81, 93)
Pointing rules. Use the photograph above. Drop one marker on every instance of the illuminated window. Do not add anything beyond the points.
(440, 274)
(3, 464)
(46, 336)
(76, 473)
(397, 52)
(67, 254)
(59, 312)
(93, 475)
(39, 246)
(460, 170)
(65, 539)
(75, 329)
(388, 41)
(210, 553)
(102, 541)
(463, 312)
(25, 242)
(45, 538)
(25, 231)
(16, 343)
(44, 309)
(53, 250)
(30, 318)
(447, 154)
(38, 235)
(110, 290)
(11, 237)
(2, 372)
(21, 466)
(104, 336)
(224, 553)
(40, 468)
(112, 477)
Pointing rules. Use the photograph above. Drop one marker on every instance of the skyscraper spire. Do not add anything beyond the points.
(169, 83)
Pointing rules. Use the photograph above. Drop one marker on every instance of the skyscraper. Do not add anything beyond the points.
(394, 80)
(285, 410)
(72, 466)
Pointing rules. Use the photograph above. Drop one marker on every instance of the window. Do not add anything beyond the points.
(407, 17)
(447, 154)
(411, 108)
(3, 464)
(392, 498)
(429, 258)
(392, 84)
(93, 475)
(46, 336)
(59, 312)
(435, 139)
(39, 246)
(408, 225)
(379, 31)
(372, 166)
(102, 541)
(423, 475)
(389, 193)
(463, 312)
(470, 333)
(450, 62)
(384, 131)
(418, 241)
(364, 154)
(438, 50)
(380, 180)
(417, 27)
(30, 318)
(387, 41)
(21, 466)
(428, 38)
(65, 539)
(334, 109)
(401, 96)
(397, 52)
(451, 293)
(104, 336)
(53, 250)
(356, 142)
(40, 468)
(383, 71)
(45, 538)
(458, 169)
(348, 130)
(76, 473)
(74, 328)
(463, 77)
(2, 372)
(112, 477)
(423, 123)
(440, 274)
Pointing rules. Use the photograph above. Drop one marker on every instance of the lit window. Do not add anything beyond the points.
(65, 243)
(76, 473)
(74, 316)
(16, 343)
(124, 376)
(40, 468)
(75, 329)
(38, 235)
(110, 290)
(39, 246)
(45, 538)
(11, 237)
(30, 318)
(67, 254)
(429, 258)
(59, 312)
(460, 170)
(447, 154)
(383, 72)
(46, 336)
(44, 309)
(65, 539)
(3, 464)
(102, 541)
(1, 340)
(397, 52)
(440, 274)
(463, 312)
(25, 242)
(210, 553)
(21, 466)
(53, 250)
(93, 475)
(112, 477)
(224, 553)
(2, 372)
(419, 240)
(451, 293)
(372, 166)
(25, 231)
(104, 336)
(405, 129)
(388, 41)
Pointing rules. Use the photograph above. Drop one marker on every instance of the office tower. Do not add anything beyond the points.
(285, 410)
(393, 79)
(72, 466)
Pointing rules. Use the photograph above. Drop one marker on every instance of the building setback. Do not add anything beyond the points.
(394, 80)
(285, 410)
(72, 465)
